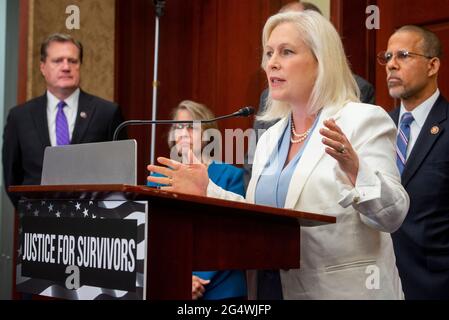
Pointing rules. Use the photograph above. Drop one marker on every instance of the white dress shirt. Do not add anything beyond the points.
(419, 114)
(70, 111)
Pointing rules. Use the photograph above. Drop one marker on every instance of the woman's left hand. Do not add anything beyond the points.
(339, 147)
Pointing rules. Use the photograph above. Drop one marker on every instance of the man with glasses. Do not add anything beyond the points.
(412, 62)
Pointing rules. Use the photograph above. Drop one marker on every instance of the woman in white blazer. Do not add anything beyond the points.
(329, 154)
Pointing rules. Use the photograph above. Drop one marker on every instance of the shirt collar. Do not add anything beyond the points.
(421, 112)
(71, 100)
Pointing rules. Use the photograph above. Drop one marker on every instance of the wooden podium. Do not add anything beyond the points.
(187, 233)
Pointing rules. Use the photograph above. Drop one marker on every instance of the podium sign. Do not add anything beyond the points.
(186, 233)
(82, 250)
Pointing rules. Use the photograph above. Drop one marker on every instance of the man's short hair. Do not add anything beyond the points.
(430, 41)
(311, 6)
(299, 6)
(60, 37)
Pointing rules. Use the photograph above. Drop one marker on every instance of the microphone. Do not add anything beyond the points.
(159, 4)
(243, 112)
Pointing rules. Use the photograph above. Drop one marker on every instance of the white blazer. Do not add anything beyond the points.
(353, 258)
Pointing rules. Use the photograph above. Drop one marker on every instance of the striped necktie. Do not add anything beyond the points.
(402, 140)
(62, 126)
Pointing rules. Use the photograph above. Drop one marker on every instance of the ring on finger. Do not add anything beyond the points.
(342, 149)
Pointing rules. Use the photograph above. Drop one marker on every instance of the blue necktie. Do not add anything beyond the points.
(62, 127)
(402, 140)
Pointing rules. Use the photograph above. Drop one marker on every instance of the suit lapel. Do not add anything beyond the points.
(39, 116)
(85, 113)
(313, 153)
(426, 139)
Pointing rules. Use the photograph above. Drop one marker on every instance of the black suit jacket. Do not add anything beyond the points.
(422, 242)
(26, 135)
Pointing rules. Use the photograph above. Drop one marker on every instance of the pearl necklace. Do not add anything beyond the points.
(301, 136)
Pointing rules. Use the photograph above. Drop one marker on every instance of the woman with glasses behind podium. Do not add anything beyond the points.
(186, 137)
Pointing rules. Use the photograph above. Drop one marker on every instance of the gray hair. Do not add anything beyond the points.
(430, 41)
(198, 111)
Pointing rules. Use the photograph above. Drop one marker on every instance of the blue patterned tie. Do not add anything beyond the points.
(62, 127)
(402, 140)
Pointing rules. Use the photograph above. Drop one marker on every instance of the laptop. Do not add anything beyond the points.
(113, 162)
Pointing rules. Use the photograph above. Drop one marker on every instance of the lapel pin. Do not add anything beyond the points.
(434, 130)
(84, 115)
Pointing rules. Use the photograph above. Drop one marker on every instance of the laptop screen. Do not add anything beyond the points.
(113, 162)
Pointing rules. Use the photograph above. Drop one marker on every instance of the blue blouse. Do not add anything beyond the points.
(273, 183)
(229, 283)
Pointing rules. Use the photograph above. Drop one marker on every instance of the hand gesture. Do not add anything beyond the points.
(190, 178)
(339, 147)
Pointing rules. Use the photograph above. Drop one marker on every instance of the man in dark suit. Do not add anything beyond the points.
(63, 115)
(422, 243)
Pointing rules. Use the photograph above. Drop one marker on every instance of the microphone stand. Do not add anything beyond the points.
(159, 9)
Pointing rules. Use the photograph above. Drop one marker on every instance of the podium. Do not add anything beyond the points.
(188, 233)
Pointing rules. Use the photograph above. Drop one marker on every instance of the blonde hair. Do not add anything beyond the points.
(335, 85)
(198, 111)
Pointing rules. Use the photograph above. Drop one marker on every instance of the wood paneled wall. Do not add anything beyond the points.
(432, 14)
(210, 52)
(348, 17)
(362, 45)
(96, 33)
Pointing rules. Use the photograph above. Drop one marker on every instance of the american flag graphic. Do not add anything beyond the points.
(89, 211)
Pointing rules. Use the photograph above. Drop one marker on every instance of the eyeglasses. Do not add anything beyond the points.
(180, 126)
(384, 57)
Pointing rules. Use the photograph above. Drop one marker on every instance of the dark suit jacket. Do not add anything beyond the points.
(422, 243)
(26, 135)
(366, 96)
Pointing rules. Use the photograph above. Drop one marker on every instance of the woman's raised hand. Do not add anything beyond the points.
(339, 147)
